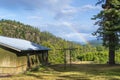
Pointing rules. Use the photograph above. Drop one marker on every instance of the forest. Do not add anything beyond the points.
(87, 52)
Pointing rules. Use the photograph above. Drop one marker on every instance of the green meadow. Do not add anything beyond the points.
(75, 72)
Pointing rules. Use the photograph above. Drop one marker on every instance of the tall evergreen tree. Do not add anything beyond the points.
(109, 22)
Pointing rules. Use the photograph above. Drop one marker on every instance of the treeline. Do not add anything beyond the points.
(99, 56)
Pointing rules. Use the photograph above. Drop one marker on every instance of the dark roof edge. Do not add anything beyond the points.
(32, 51)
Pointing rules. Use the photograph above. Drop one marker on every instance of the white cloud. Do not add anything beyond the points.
(58, 7)
(89, 7)
(67, 31)
(34, 17)
(69, 12)
(62, 9)
(64, 26)
(79, 37)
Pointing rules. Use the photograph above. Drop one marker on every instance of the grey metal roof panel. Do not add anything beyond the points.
(20, 44)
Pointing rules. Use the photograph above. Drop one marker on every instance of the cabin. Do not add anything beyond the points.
(18, 55)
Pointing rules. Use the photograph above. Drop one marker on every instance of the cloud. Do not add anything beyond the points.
(77, 27)
(85, 28)
(79, 37)
(34, 17)
(30, 4)
(67, 27)
(20, 4)
(56, 28)
(62, 9)
(69, 12)
(69, 31)
(89, 7)
(66, 13)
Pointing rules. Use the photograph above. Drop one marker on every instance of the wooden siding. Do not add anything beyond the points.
(7, 61)
(7, 58)
(12, 63)
(21, 65)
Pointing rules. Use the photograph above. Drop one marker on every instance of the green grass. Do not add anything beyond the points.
(76, 72)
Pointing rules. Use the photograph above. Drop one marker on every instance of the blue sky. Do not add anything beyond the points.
(68, 19)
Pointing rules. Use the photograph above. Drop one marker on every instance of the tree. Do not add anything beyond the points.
(109, 22)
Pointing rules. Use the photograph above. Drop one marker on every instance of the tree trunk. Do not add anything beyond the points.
(112, 49)
(111, 55)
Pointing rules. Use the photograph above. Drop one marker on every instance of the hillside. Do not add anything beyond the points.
(19, 30)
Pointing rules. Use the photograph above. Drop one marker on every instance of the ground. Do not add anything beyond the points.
(75, 72)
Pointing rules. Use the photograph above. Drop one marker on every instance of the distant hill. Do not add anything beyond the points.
(91, 42)
(95, 42)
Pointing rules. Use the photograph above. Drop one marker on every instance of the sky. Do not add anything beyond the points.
(68, 19)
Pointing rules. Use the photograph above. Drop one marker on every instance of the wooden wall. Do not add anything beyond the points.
(21, 64)
(10, 63)
(7, 61)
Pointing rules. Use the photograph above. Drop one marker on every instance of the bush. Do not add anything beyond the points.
(97, 57)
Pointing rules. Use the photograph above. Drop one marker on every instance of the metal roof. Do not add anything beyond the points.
(20, 44)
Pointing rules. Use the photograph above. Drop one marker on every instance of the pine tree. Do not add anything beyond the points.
(109, 22)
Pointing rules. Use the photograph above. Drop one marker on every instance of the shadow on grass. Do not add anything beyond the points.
(5, 75)
(94, 69)
(36, 76)
(114, 79)
(88, 71)
(75, 77)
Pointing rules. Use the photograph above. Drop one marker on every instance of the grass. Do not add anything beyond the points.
(76, 72)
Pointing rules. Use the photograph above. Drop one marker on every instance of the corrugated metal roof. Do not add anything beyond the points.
(20, 44)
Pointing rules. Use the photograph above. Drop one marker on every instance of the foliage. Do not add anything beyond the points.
(109, 30)
(109, 22)
(100, 56)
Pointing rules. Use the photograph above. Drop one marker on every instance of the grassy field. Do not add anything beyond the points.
(76, 72)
